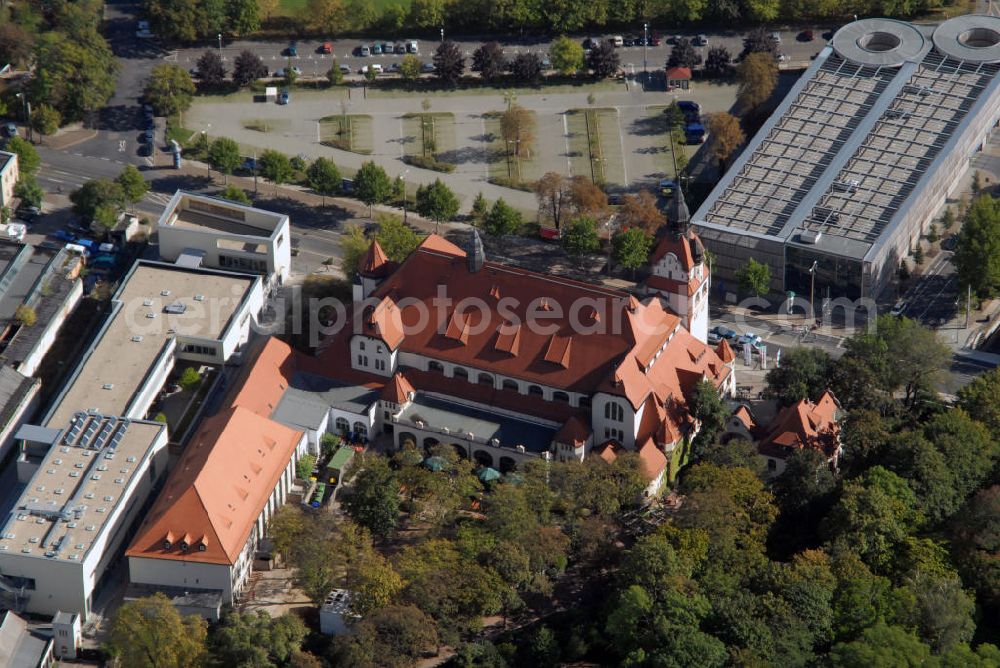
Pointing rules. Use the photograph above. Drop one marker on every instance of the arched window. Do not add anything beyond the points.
(460, 372)
(614, 412)
(342, 425)
(435, 366)
(360, 428)
(485, 379)
(512, 385)
(560, 396)
(535, 391)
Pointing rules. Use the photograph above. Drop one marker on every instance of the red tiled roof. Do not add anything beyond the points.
(672, 284)
(725, 352)
(653, 460)
(678, 73)
(375, 263)
(679, 245)
(218, 488)
(746, 417)
(385, 322)
(267, 378)
(397, 390)
(804, 425)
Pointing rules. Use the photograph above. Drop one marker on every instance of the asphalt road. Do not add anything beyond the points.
(314, 63)
(933, 298)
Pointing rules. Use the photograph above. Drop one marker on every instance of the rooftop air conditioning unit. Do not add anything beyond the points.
(810, 236)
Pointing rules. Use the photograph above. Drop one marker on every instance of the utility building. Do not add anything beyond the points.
(853, 165)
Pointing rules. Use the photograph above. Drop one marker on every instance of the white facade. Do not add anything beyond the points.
(230, 236)
(10, 172)
(56, 584)
(230, 579)
(693, 308)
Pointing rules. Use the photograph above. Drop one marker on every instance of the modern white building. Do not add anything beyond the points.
(196, 230)
(10, 172)
(70, 521)
(90, 468)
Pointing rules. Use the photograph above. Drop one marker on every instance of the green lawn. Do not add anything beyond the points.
(266, 124)
(506, 168)
(429, 134)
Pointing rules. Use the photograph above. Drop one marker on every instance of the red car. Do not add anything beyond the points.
(654, 40)
(327, 47)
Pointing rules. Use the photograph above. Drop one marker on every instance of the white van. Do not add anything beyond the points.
(617, 41)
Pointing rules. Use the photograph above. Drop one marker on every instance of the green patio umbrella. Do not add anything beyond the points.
(489, 474)
(435, 463)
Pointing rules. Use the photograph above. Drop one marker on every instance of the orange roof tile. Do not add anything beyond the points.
(385, 322)
(804, 425)
(744, 415)
(218, 488)
(608, 452)
(397, 390)
(433, 242)
(680, 246)
(375, 263)
(652, 459)
(725, 352)
(673, 285)
(508, 338)
(267, 378)
(678, 73)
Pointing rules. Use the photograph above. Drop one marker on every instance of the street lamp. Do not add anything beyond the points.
(220, 42)
(27, 114)
(402, 179)
(204, 133)
(645, 42)
(442, 34)
(812, 289)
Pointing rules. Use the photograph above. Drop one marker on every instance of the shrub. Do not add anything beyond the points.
(190, 378)
(305, 466)
(25, 315)
(429, 162)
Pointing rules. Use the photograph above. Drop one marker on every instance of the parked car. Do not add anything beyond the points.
(326, 47)
(142, 25)
(806, 35)
(674, 39)
(394, 67)
(776, 36)
(653, 39)
(376, 49)
(701, 40)
(667, 186)
(617, 41)
(375, 67)
(691, 110)
(950, 243)
(10, 130)
(249, 164)
(400, 48)
(149, 136)
(899, 309)
(292, 50)
(633, 40)
(724, 332)
(345, 69)
(427, 67)
(64, 235)
(748, 339)
(283, 97)
(387, 48)
(28, 212)
(364, 51)
(782, 58)
(280, 72)
(546, 63)
(412, 46)
(695, 133)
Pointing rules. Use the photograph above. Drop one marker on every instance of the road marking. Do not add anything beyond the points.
(621, 144)
(317, 132)
(121, 146)
(106, 159)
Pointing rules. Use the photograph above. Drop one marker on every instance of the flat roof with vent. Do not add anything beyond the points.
(79, 484)
(858, 134)
(116, 365)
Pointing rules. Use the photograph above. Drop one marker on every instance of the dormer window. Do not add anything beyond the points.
(167, 545)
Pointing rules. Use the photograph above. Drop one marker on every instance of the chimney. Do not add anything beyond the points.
(474, 253)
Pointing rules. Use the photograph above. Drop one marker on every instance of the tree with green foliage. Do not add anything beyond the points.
(502, 220)
(757, 76)
(684, 54)
(396, 238)
(977, 256)
(804, 374)
(28, 160)
(190, 379)
(718, 62)
(242, 17)
(874, 516)
(410, 68)
(948, 218)
(324, 177)
(235, 194)
(150, 633)
(707, 408)
(105, 219)
(754, 277)
(247, 68)
(95, 194)
(631, 248)
(976, 541)
(275, 167)
(45, 119)
(580, 237)
(256, 639)
(353, 246)
(372, 185)
(75, 75)
(526, 67)
(169, 89)
(133, 185)
(480, 209)
(394, 636)
(334, 75)
(566, 55)
(981, 399)
(436, 202)
(375, 584)
(224, 156)
(373, 501)
(29, 192)
(881, 645)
